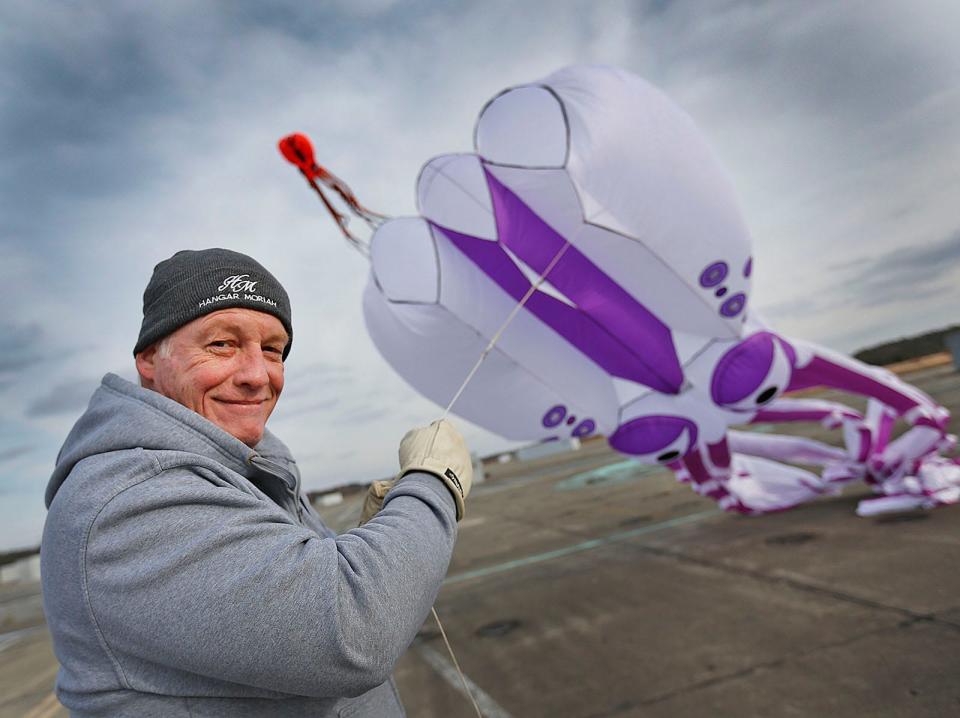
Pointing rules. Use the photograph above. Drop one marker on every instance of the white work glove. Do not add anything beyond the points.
(374, 500)
(439, 449)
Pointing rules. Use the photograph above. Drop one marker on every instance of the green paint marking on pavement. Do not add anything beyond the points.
(582, 546)
(621, 472)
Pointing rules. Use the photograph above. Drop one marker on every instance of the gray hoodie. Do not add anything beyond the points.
(184, 574)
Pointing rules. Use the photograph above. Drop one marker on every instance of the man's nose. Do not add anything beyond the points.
(253, 368)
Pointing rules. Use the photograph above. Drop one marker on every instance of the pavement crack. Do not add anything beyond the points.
(757, 575)
(771, 664)
(795, 583)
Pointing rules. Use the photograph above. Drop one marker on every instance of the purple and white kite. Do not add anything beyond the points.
(595, 195)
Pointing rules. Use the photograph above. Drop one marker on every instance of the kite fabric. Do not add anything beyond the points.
(642, 330)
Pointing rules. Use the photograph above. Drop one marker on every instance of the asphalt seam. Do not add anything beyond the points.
(588, 544)
(447, 671)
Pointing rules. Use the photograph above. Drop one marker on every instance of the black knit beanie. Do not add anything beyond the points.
(193, 283)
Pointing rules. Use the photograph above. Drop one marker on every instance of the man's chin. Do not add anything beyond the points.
(249, 435)
(250, 440)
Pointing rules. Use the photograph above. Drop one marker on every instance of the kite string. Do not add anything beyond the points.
(533, 288)
(456, 664)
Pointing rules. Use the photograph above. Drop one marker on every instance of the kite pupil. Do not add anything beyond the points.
(767, 395)
(668, 455)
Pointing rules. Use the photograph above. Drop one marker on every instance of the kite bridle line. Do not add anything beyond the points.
(374, 220)
(510, 317)
(339, 218)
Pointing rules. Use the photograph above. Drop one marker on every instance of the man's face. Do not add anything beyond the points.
(226, 366)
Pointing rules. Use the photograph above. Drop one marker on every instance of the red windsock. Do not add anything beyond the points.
(298, 150)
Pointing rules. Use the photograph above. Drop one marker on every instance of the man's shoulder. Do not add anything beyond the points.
(97, 480)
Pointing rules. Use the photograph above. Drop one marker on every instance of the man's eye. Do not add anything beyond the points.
(220, 344)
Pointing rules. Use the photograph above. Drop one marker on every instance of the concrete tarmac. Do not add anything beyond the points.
(584, 585)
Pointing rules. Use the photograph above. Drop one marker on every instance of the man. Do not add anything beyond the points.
(184, 572)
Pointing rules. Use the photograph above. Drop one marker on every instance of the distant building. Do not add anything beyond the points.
(546, 448)
(334, 498)
(25, 570)
(953, 344)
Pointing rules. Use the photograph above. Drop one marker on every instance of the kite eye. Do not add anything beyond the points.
(655, 439)
(752, 373)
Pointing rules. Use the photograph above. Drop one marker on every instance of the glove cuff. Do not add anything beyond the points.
(447, 475)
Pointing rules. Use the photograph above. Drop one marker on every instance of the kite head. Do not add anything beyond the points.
(298, 150)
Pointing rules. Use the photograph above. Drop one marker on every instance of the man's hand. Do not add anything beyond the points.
(374, 500)
(439, 449)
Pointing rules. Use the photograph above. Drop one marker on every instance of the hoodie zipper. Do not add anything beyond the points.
(280, 472)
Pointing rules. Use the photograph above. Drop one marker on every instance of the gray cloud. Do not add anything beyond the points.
(22, 346)
(363, 414)
(69, 397)
(839, 63)
(15, 452)
(909, 273)
(283, 413)
(84, 85)
(27, 347)
(317, 373)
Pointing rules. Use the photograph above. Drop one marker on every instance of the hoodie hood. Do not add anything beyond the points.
(122, 415)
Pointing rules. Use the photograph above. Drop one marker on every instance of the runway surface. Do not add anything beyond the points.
(587, 586)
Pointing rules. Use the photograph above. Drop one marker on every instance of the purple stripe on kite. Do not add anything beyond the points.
(884, 428)
(594, 293)
(823, 372)
(775, 415)
(698, 471)
(719, 454)
(572, 324)
(929, 421)
(865, 437)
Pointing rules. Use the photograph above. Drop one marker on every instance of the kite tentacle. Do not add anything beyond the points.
(298, 150)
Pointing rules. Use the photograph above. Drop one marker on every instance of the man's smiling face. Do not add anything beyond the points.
(226, 366)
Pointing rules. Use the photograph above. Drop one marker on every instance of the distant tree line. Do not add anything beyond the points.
(14, 556)
(907, 347)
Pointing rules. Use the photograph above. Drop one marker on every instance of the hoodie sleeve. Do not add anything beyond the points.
(203, 578)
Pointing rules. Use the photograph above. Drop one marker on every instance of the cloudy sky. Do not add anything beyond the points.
(131, 130)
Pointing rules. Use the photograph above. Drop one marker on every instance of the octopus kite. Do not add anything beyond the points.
(594, 205)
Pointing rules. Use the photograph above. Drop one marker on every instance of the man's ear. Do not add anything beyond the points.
(146, 365)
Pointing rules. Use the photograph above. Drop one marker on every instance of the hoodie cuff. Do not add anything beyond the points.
(426, 487)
